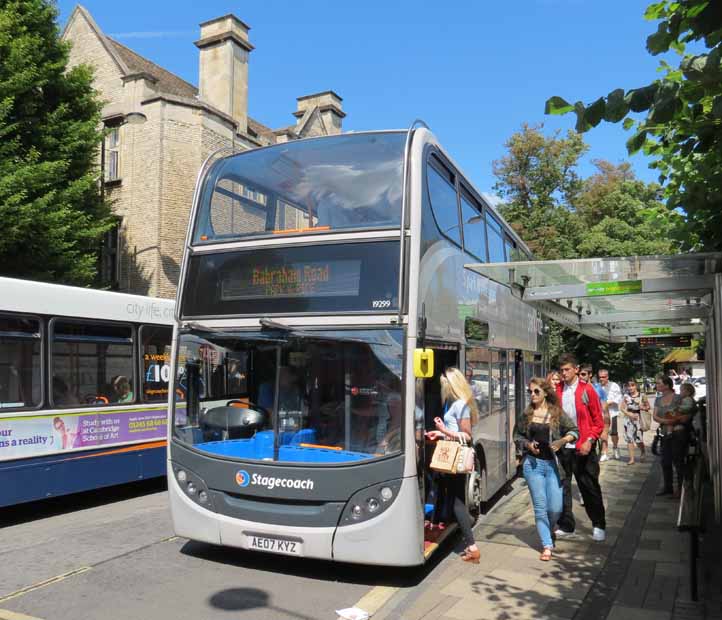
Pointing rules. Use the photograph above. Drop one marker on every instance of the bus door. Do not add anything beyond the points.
(516, 403)
(445, 356)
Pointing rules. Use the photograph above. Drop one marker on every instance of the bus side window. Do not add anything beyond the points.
(474, 227)
(155, 342)
(91, 363)
(496, 241)
(20, 365)
(442, 193)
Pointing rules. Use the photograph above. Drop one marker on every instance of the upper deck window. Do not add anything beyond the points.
(496, 240)
(474, 228)
(443, 200)
(327, 184)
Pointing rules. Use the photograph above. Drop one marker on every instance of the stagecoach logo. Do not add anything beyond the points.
(243, 479)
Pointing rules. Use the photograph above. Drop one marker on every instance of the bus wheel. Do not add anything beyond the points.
(476, 492)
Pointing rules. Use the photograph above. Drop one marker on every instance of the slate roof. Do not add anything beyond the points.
(167, 82)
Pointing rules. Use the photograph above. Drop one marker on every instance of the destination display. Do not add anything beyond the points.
(339, 278)
(665, 341)
(329, 278)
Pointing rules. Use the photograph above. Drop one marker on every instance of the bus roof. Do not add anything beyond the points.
(72, 301)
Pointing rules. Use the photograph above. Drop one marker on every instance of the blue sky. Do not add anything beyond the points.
(473, 70)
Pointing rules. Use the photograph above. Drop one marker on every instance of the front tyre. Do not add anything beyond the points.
(476, 491)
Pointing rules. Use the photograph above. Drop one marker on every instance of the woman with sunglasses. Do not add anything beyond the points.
(460, 414)
(632, 406)
(542, 430)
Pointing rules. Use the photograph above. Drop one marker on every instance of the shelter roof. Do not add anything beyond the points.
(616, 299)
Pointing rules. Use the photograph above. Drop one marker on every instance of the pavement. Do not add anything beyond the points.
(641, 571)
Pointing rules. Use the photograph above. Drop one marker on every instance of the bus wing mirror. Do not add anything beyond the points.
(423, 363)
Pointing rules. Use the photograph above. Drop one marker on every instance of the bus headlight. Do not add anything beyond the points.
(370, 502)
(193, 487)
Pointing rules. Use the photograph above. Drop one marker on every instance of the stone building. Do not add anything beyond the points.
(161, 129)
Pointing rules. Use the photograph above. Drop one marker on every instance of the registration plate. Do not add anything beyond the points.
(274, 544)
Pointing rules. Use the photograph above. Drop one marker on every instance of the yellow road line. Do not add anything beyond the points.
(375, 599)
(42, 584)
(6, 614)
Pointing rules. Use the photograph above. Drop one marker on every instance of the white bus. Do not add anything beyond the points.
(313, 271)
(83, 388)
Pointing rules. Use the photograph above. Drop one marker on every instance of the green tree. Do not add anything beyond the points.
(51, 213)
(621, 215)
(681, 124)
(560, 215)
(537, 182)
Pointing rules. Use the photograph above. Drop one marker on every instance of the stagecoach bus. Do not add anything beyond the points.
(322, 279)
(84, 380)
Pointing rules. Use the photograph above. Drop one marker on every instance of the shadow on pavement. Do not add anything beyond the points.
(243, 599)
(359, 574)
(42, 509)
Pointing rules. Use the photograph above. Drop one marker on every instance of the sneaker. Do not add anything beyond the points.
(599, 535)
(603, 458)
(616, 454)
(560, 533)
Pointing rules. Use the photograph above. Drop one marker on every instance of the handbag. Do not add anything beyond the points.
(656, 447)
(445, 455)
(465, 459)
(645, 417)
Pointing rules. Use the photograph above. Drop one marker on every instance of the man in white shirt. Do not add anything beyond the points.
(614, 399)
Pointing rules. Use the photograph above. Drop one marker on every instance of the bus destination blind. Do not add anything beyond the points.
(329, 278)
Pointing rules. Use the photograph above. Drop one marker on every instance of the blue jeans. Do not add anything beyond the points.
(546, 495)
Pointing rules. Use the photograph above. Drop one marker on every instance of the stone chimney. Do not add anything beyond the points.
(223, 78)
(329, 108)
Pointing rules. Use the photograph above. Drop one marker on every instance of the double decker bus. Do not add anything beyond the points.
(84, 378)
(315, 273)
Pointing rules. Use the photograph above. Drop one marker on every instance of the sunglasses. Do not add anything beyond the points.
(535, 391)
(584, 373)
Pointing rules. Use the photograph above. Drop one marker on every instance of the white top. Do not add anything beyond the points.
(457, 412)
(614, 398)
(569, 404)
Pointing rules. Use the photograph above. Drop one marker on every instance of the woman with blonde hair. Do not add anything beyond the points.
(460, 414)
(554, 378)
(541, 431)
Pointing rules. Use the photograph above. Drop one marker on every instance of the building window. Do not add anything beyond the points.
(112, 154)
(110, 257)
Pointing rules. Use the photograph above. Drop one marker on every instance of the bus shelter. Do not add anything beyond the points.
(661, 298)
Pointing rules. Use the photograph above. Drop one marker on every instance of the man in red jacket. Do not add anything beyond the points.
(581, 403)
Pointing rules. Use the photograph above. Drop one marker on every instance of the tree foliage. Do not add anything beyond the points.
(51, 214)
(561, 215)
(681, 123)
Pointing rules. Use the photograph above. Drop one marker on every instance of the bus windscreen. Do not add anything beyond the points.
(347, 182)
